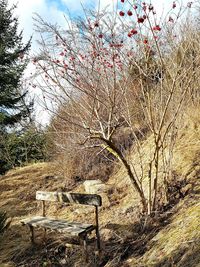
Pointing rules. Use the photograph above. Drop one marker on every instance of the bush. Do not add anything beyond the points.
(21, 148)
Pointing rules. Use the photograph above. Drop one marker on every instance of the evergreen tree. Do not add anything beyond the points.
(20, 148)
(13, 62)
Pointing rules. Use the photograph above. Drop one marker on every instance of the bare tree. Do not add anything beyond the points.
(110, 71)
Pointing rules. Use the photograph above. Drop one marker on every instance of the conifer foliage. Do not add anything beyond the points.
(13, 62)
(14, 106)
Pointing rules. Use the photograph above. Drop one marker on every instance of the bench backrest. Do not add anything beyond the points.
(76, 198)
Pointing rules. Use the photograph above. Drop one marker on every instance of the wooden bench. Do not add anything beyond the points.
(75, 229)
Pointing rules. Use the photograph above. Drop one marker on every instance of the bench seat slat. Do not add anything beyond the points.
(62, 226)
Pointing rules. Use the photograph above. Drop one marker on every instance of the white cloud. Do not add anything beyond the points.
(111, 3)
(77, 5)
(51, 11)
(25, 11)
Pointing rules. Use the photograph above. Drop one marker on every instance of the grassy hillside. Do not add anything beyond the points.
(172, 239)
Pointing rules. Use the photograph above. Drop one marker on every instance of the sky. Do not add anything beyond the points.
(53, 11)
(50, 10)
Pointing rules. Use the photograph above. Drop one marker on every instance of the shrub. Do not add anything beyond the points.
(121, 73)
(21, 148)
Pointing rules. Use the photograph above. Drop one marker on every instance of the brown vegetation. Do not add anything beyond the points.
(133, 122)
(170, 236)
(104, 91)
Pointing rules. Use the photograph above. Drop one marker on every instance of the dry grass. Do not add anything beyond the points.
(18, 189)
(178, 243)
(174, 243)
(185, 163)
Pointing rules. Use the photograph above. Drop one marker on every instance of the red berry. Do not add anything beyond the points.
(100, 35)
(134, 31)
(118, 45)
(140, 20)
(121, 13)
(122, 1)
(156, 28)
(174, 5)
(145, 41)
(130, 13)
(130, 34)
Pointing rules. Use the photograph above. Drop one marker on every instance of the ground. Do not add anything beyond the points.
(170, 238)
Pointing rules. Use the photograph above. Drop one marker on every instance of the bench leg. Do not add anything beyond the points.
(32, 234)
(98, 240)
(85, 247)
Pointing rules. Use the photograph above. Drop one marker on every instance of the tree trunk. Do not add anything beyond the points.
(117, 153)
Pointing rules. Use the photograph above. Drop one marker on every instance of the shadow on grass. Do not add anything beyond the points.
(124, 241)
(131, 240)
(187, 255)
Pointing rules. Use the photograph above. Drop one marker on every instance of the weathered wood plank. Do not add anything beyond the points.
(86, 199)
(62, 226)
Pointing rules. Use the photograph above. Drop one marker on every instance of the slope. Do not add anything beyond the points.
(172, 240)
